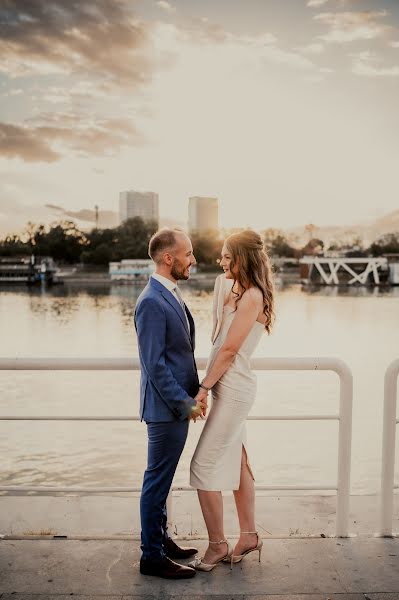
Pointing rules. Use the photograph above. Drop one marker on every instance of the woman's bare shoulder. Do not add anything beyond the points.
(253, 295)
(254, 292)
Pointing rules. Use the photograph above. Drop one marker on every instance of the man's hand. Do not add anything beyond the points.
(197, 412)
(202, 402)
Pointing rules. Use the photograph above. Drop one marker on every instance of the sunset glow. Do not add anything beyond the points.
(286, 111)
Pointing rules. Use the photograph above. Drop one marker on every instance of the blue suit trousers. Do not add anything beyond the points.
(165, 444)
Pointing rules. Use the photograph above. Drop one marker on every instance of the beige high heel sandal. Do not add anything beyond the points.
(238, 558)
(198, 565)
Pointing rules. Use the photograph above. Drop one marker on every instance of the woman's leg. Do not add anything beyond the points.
(212, 510)
(245, 503)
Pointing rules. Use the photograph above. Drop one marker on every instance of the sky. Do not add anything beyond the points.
(287, 111)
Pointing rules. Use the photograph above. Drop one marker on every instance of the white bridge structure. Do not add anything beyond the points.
(330, 268)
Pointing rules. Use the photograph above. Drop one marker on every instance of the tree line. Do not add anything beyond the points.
(66, 243)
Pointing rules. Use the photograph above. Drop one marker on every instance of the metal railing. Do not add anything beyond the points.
(388, 485)
(344, 417)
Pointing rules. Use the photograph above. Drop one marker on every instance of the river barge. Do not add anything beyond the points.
(30, 270)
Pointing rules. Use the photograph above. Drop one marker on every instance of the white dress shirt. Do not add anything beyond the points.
(171, 287)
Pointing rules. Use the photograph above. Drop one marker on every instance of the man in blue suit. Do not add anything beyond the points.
(169, 384)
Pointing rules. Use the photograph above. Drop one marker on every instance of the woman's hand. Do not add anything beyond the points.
(202, 404)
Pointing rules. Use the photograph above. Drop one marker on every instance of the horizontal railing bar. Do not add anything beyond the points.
(272, 487)
(127, 364)
(69, 364)
(124, 418)
(294, 418)
(23, 488)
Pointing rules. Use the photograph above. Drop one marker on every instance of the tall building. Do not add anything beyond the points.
(138, 204)
(203, 213)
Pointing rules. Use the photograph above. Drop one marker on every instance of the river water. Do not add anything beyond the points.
(358, 325)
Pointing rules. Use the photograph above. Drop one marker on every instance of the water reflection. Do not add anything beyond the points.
(353, 291)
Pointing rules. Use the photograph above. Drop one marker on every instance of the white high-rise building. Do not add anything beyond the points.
(203, 213)
(138, 204)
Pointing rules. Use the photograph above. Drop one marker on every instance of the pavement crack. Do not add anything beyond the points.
(111, 566)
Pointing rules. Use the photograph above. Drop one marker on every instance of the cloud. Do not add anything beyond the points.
(82, 93)
(101, 38)
(106, 218)
(265, 48)
(366, 64)
(15, 213)
(315, 48)
(316, 3)
(352, 26)
(166, 6)
(290, 58)
(202, 31)
(41, 139)
(23, 142)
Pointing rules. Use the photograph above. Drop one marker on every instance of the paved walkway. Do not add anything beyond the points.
(358, 568)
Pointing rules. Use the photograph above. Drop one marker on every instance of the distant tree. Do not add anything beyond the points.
(277, 244)
(352, 248)
(12, 245)
(128, 240)
(357, 249)
(207, 246)
(66, 243)
(386, 244)
(314, 247)
(101, 255)
(132, 238)
(63, 242)
(100, 248)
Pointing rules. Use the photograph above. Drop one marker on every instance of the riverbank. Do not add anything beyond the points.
(75, 276)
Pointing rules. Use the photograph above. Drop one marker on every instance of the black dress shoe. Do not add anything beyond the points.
(165, 568)
(172, 550)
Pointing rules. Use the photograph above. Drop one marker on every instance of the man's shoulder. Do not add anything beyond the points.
(149, 296)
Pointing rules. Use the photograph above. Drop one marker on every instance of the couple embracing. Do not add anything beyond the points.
(171, 395)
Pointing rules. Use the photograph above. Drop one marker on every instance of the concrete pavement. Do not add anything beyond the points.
(358, 568)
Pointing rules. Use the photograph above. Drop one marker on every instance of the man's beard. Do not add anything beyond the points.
(178, 271)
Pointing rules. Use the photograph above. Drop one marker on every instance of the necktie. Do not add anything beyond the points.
(181, 302)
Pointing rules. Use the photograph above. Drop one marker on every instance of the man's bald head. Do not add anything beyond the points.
(164, 240)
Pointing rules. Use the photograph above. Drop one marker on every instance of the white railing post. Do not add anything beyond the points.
(388, 448)
(344, 450)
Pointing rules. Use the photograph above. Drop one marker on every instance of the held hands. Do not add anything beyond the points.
(199, 410)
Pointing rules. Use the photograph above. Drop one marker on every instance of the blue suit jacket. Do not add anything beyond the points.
(169, 378)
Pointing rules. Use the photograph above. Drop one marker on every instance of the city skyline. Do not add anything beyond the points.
(287, 114)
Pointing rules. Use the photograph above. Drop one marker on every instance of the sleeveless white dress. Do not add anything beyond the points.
(216, 463)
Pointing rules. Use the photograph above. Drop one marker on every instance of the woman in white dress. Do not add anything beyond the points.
(243, 311)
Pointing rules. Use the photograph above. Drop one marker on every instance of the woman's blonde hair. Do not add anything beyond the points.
(254, 269)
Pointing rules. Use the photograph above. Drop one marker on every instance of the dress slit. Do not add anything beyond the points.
(244, 449)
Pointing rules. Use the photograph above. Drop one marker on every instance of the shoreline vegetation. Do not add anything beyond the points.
(85, 256)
